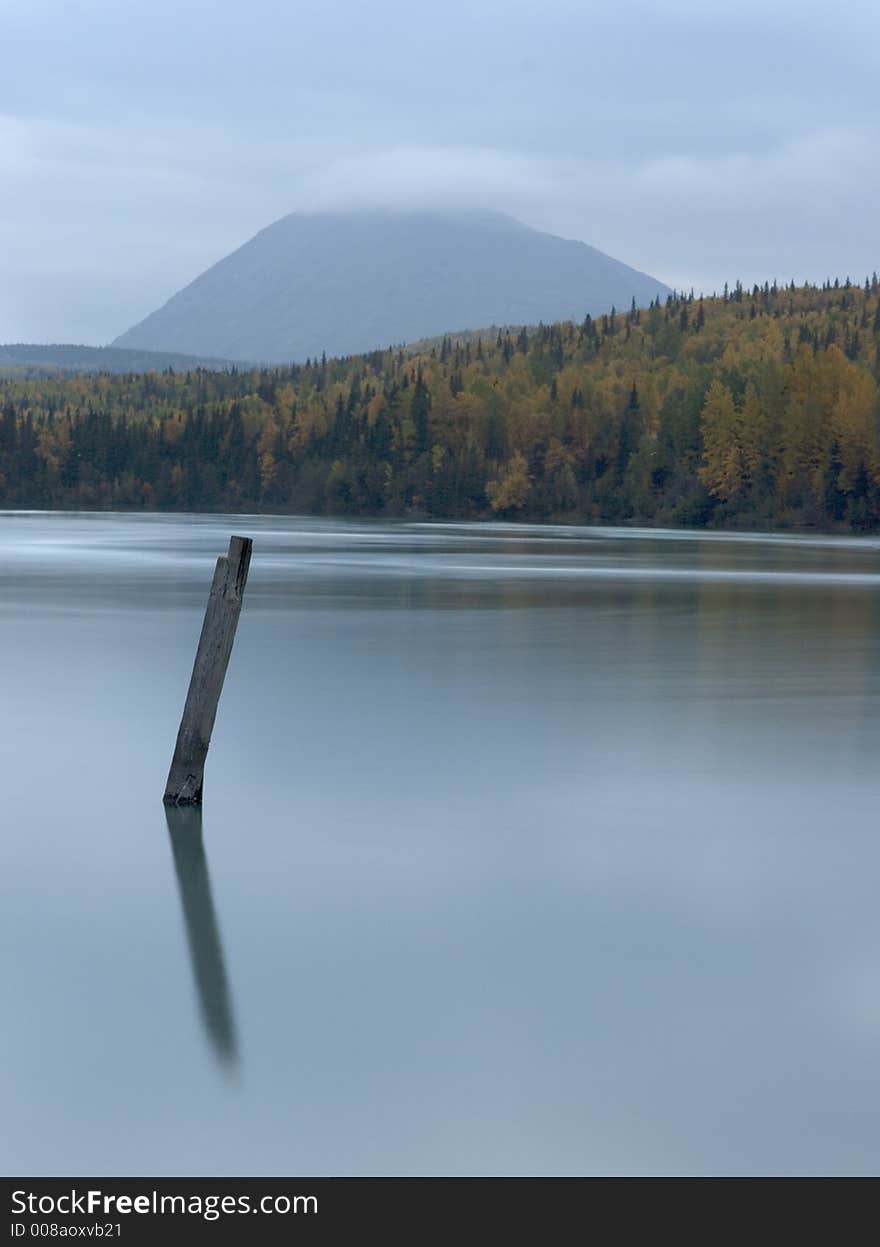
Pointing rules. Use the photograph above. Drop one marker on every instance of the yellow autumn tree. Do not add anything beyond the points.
(510, 491)
(266, 444)
(854, 428)
(722, 471)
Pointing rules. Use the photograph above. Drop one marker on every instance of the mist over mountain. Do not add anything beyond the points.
(343, 283)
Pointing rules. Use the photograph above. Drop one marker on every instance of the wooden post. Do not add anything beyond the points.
(186, 776)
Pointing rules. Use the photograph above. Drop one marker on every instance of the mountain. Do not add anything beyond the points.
(343, 283)
(39, 359)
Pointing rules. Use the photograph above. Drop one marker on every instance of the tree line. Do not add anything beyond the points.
(758, 407)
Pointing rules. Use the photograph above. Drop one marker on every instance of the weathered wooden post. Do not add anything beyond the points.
(186, 776)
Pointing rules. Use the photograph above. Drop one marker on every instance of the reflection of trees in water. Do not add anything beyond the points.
(202, 930)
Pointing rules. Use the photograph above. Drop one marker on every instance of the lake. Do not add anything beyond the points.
(524, 850)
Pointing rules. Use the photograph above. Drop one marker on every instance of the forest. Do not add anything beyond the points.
(755, 408)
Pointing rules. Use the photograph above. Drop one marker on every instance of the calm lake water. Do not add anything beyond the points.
(524, 850)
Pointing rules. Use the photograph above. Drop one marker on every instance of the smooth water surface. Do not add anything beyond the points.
(524, 850)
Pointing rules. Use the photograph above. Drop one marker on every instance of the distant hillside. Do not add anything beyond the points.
(340, 284)
(757, 409)
(37, 359)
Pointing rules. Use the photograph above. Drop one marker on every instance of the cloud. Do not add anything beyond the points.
(688, 219)
(424, 177)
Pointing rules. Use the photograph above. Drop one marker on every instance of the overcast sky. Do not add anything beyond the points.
(141, 140)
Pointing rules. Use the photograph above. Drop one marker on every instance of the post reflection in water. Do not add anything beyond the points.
(202, 930)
